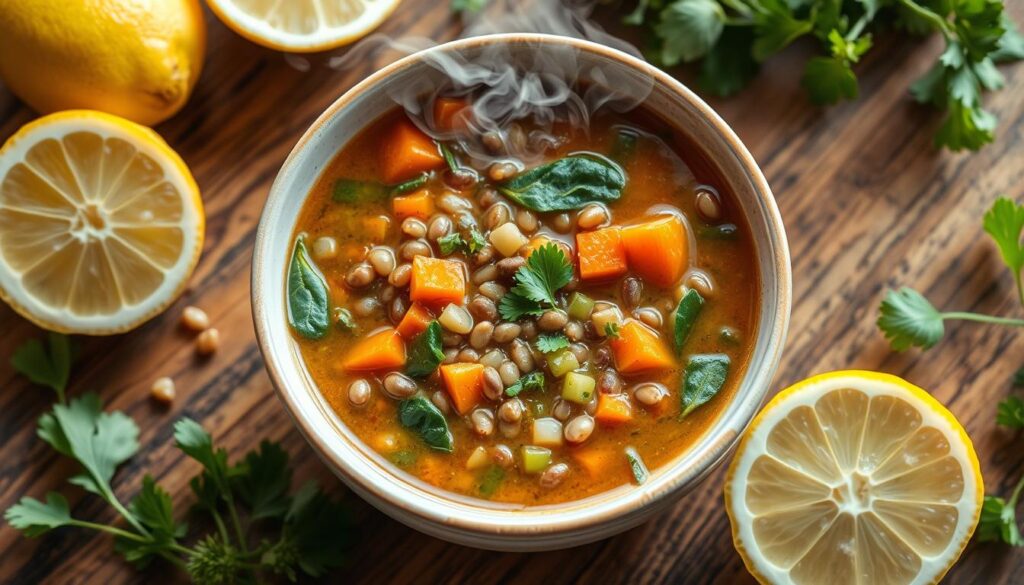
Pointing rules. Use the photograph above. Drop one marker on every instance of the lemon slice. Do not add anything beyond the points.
(853, 478)
(302, 26)
(101, 223)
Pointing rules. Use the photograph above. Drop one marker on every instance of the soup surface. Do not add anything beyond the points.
(501, 349)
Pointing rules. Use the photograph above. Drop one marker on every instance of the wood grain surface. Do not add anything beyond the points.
(868, 204)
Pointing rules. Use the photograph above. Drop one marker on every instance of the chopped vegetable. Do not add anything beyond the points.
(546, 271)
(308, 311)
(478, 458)
(355, 191)
(551, 342)
(547, 432)
(562, 362)
(419, 414)
(465, 385)
(607, 322)
(704, 377)
(531, 381)
(657, 251)
(378, 351)
(578, 388)
(567, 183)
(636, 465)
(580, 306)
(343, 319)
(611, 330)
(403, 458)
(451, 114)
(376, 228)
(491, 481)
(425, 352)
(437, 281)
(533, 245)
(535, 459)
(613, 409)
(601, 254)
(639, 349)
(686, 315)
(410, 185)
(507, 239)
(419, 204)
(593, 460)
(414, 322)
(407, 152)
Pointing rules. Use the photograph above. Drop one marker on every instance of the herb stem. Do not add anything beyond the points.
(741, 8)
(242, 545)
(108, 494)
(937, 21)
(857, 28)
(109, 530)
(221, 527)
(1012, 502)
(1020, 288)
(984, 318)
(174, 559)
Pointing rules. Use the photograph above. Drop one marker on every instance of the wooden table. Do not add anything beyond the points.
(868, 204)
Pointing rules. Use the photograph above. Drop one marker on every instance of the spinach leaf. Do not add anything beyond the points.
(490, 481)
(420, 414)
(686, 315)
(705, 376)
(565, 184)
(414, 183)
(355, 191)
(308, 312)
(425, 352)
(624, 145)
(636, 465)
(531, 381)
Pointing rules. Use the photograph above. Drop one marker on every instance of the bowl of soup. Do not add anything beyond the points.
(515, 324)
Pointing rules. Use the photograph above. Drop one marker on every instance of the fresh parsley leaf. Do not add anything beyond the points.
(47, 366)
(829, 80)
(476, 241)
(1011, 45)
(688, 29)
(152, 507)
(908, 319)
(262, 481)
(1004, 222)
(1010, 413)
(315, 535)
(514, 307)
(34, 518)
(194, 441)
(451, 243)
(776, 27)
(998, 522)
(532, 381)
(551, 342)
(425, 352)
(611, 330)
(546, 271)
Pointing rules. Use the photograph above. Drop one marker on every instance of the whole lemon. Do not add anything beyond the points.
(138, 59)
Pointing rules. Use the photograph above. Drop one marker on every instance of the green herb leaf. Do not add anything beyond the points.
(307, 295)
(725, 231)
(315, 535)
(688, 29)
(551, 342)
(490, 481)
(451, 243)
(565, 184)
(1004, 222)
(354, 191)
(152, 507)
(636, 465)
(422, 416)
(34, 518)
(532, 381)
(403, 458)
(546, 271)
(705, 375)
(470, 6)
(449, 158)
(344, 320)
(514, 307)
(829, 80)
(624, 146)
(686, 315)
(425, 352)
(908, 319)
(410, 185)
(611, 330)
(476, 241)
(195, 442)
(776, 27)
(998, 522)
(49, 366)
(1010, 413)
(262, 481)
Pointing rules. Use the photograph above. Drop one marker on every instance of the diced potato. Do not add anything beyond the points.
(547, 432)
(535, 459)
(562, 362)
(507, 239)
(605, 316)
(477, 459)
(578, 388)
(580, 306)
(456, 319)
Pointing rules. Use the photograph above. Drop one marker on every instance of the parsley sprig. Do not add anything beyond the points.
(546, 271)
(260, 529)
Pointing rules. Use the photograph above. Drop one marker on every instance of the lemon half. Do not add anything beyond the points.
(853, 478)
(101, 223)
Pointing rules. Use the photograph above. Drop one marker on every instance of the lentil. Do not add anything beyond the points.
(527, 221)
(553, 475)
(325, 248)
(506, 332)
(401, 276)
(493, 385)
(414, 228)
(399, 386)
(552, 320)
(365, 307)
(360, 275)
(592, 216)
(439, 226)
(414, 248)
(440, 400)
(509, 373)
(485, 274)
(480, 336)
(469, 356)
(522, 356)
(482, 420)
(483, 309)
(359, 392)
(579, 429)
(497, 214)
(648, 394)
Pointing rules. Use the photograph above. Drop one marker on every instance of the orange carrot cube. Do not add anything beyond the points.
(464, 383)
(436, 281)
(601, 254)
(658, 250)
(640, 349)
(383, 350)
(407, 152)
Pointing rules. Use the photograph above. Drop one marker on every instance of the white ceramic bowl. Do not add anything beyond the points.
(474, 522)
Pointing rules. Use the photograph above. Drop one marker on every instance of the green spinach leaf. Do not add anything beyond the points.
(420, 414)
(308, 312)
(425, 352)
(686, 315)
(624, 145)
(356, 191)
(567, 183)
(705, 376)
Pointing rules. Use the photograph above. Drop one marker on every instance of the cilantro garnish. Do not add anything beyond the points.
(531, 381)
(551, 342)
(454, 242)
(611, 330)
(546, 271)
(47, 366)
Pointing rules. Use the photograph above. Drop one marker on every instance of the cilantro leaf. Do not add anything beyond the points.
(546, 271)
(1004, 222)
(49, 366)
(476, 241)
(828, 80)
(451, 243)
(195, 442)
(688, 29)
(776, 27)
(1010, 413)
(551, 342)
(908, 319)
(998, 522)
(263, 481)
(34, 518)
(152, 507)
(966, 127)
(729, 65)
(611, 330)
(314, 537)
(1011, 44)
(532, 381)
(514, 307)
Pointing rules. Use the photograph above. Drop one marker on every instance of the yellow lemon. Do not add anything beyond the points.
(853, 477)
(101, 223)
(134, 58)
(302, 26)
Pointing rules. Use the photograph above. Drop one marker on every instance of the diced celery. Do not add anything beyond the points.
(601, 319)
(578, 388)
(535, 459)
(547, 432)
(478, 458)
(580, 306)
(562, 362)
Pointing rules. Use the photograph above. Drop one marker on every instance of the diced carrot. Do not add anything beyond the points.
(639, 349)
(465, 384)
(601, 254)
(449, 114)
(415, 321)
(594, 461)
(657, 250)
(532, 246)
(613, 409)
(377, 228)
(436, 281)
(380, 351)
(419, 204)
(408, 152)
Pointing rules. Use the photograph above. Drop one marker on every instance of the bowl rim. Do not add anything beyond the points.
(402, 498)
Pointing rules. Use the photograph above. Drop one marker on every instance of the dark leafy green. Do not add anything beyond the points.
(308, 310)
(356, 191)
(420, 414)
(425, 352)
(624, 145)
(636, 465)
(686, 315)
(704, 377)
(565, 184)
(47, 366)
(491, 480)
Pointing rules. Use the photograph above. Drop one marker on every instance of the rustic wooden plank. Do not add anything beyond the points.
(867, 202)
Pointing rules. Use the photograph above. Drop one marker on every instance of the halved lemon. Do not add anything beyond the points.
(853, 478)
(101, 223)
(302, 26)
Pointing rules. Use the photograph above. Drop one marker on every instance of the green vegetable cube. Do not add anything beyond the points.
(580, 306)
(535, 459)
(562, 362)
(578, 388)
